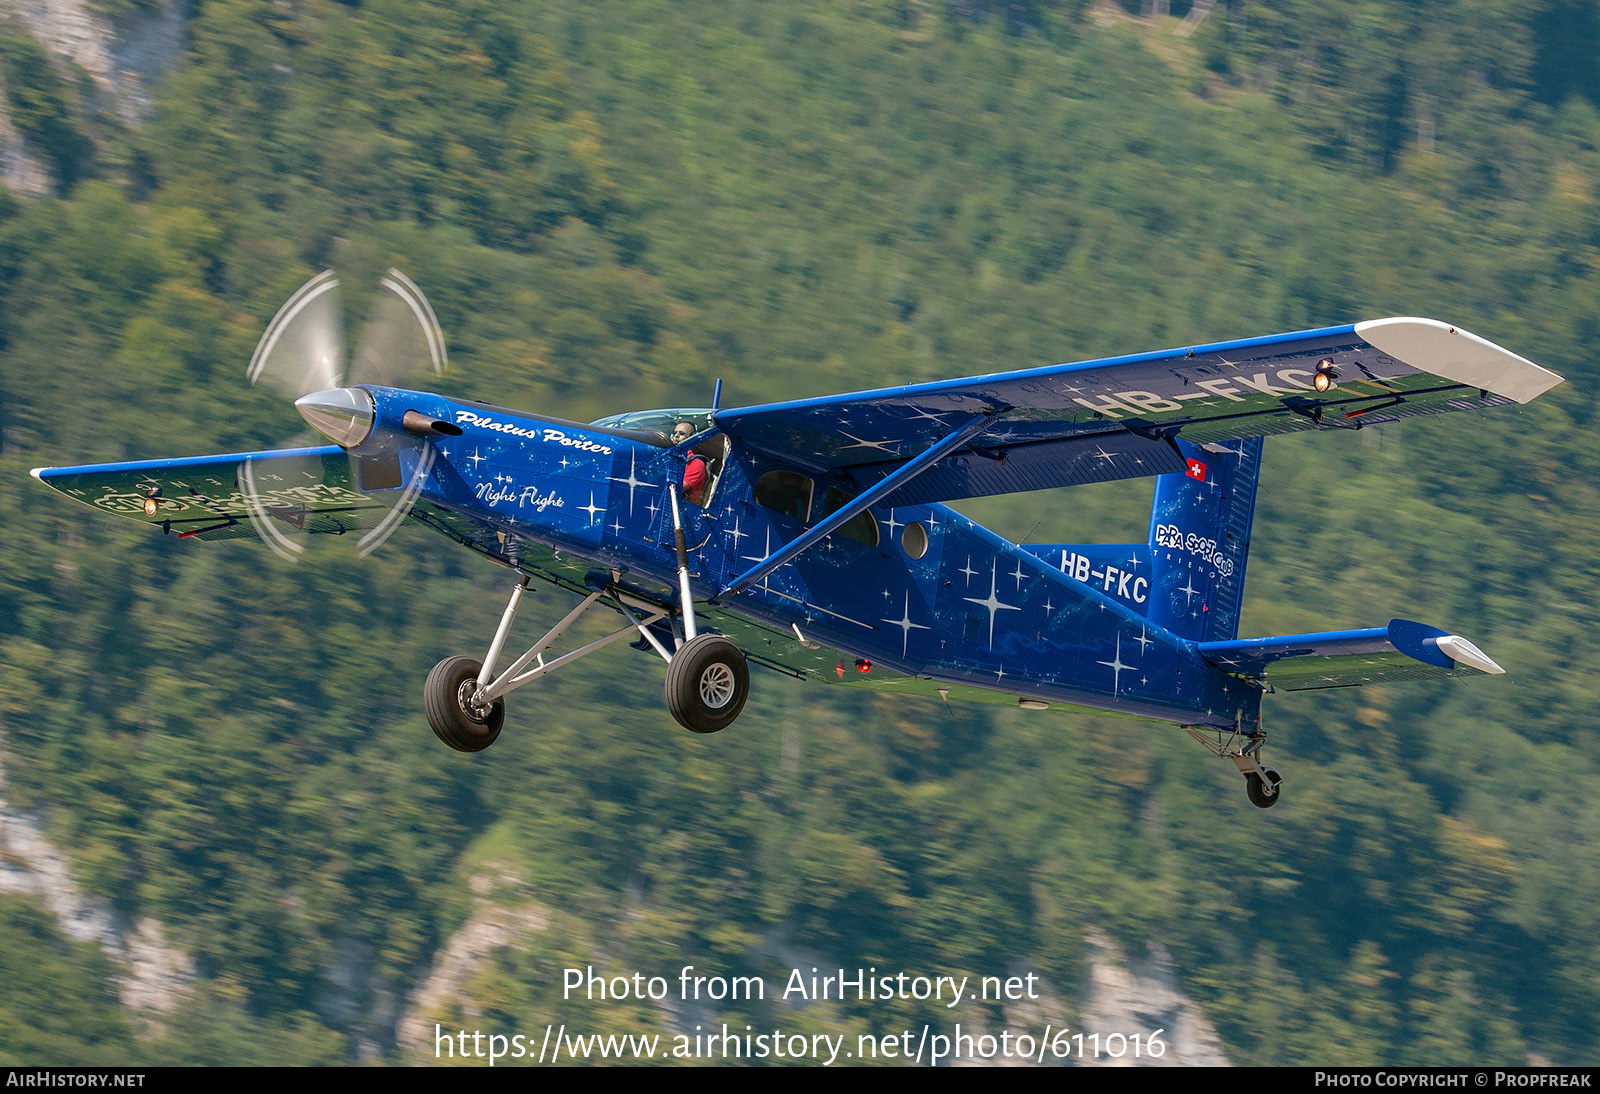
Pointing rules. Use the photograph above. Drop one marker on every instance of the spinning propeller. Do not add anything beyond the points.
(301, 355)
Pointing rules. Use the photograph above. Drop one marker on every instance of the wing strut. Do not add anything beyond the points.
(851, 509)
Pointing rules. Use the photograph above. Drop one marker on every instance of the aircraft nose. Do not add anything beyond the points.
(344, 414)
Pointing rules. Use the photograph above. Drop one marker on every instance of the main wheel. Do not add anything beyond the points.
(707, 683)
(1263, 795)
(447, 699)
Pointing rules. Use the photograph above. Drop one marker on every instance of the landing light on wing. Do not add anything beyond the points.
(343, 414)
(1327, 377)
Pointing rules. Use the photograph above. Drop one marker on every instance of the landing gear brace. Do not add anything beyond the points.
(707, 681)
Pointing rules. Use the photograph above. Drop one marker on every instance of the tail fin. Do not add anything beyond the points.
(1200, 539)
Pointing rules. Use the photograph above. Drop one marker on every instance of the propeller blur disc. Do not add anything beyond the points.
(402, 343)
(301, 354)
(408, 497)
(302, 349)
(282, 544)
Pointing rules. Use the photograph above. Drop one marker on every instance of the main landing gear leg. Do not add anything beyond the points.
(707, 677)
(1261, 784)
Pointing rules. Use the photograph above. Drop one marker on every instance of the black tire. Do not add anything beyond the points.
(707, 683)
(1264, 795)
(444, 699)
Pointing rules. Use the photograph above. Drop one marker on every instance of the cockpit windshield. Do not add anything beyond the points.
(669, 423)
(703, 466)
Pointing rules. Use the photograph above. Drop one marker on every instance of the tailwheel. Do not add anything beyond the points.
(1263, 789)
(448, 699)
(708, 681)
(1263, 784)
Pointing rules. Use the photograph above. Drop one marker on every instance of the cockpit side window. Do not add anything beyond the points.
(703, 470)
(785, 492)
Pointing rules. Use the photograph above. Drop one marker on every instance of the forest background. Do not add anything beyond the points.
(612, 204)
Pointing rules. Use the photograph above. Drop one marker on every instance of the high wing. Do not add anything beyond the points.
(304, 489)
(1116, 418)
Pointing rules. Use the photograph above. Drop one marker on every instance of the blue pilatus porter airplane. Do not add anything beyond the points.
(810, 536)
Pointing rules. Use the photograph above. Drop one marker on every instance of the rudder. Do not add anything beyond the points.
(1200, 540)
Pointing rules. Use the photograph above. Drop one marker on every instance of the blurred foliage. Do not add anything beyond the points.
(45, 108)
(610, 206)
(57, 1005)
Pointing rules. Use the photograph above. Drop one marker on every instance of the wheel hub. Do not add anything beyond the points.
(716, 686)
(465, 695)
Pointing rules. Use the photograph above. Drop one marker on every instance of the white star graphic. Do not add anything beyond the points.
(883, 445)
(761, 557)
(1116, 666)
(632, 480)
(993, 602)
(905, 624)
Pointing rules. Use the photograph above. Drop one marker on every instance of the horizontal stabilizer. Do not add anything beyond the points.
(1340, 659)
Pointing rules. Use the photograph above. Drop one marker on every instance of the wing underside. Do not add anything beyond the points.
(205, 497)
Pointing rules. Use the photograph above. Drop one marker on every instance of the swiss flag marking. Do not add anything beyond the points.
(1197, 471)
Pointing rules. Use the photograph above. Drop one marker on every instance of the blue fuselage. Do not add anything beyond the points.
(920, 590)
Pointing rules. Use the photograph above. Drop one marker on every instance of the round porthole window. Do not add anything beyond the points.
(914, 540)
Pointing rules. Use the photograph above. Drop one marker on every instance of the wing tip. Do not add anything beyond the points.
(1455, 354)
(38, 472)
(1462, 652)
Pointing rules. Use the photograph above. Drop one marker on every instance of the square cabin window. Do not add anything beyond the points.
(785, 492)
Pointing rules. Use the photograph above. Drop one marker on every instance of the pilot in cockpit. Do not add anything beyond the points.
(697, 472)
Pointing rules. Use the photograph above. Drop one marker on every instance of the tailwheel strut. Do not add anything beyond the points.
(1261, 784)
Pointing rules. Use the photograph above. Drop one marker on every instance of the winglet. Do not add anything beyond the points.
(1455, 354)
(1459, 649)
